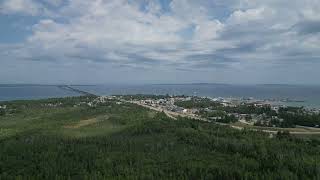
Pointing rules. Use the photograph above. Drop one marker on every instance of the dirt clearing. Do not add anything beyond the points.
(82, 123)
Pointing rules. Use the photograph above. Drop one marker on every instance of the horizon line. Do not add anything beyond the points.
(202, 83)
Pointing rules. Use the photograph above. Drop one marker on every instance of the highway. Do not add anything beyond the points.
(174, 115)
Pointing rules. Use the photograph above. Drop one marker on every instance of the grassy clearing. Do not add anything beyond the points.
(67, 120)
(82, 123)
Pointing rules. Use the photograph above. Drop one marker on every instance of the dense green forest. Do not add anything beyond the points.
(297, 116)
(67, 139)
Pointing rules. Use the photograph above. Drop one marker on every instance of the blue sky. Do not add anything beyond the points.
(160, 41)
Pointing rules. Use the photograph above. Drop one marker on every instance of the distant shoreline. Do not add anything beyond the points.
(296, 96)
(139, 84)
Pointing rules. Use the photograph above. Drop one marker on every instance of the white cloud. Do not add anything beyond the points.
(20, 6)
(208, 30)
(190, 35)
(239, 16)
(54, 2)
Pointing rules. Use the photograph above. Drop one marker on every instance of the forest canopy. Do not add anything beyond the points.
(67, 139)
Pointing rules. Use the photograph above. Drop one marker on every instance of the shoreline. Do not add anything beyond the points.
(74, 90)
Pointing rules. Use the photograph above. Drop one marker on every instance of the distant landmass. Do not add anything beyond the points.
(301, 95)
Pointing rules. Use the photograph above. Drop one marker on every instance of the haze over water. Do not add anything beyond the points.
(26, 92)
(309, 94)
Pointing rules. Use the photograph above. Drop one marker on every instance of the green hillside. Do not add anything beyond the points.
(69, 139)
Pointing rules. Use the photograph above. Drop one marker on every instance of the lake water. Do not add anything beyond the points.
(309, 94)
(26, 92)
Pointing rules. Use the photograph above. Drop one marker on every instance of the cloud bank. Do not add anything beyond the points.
(162, 40)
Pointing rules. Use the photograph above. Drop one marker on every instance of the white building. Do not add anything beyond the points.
(275, 108)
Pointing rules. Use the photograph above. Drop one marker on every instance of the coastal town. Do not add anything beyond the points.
(238, 113)
(220, 106)
(235, 112)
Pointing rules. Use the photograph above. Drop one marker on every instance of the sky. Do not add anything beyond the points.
(160, 41)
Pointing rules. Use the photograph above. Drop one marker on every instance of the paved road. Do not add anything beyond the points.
(168, 113)
(173, 115)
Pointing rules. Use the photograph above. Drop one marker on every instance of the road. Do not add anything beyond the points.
(168, 113)
(174, 115)
(69, 88)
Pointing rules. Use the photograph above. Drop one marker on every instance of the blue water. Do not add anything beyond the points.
(26, 92)
(309, 94)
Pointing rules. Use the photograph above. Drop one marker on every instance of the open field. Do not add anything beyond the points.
(68, 139)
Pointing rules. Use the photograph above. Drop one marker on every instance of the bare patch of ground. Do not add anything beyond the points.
(151, 114)
(82, 123)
